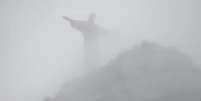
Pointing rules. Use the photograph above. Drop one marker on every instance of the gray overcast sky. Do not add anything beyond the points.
(39, 50)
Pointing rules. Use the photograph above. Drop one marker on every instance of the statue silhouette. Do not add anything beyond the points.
(88, 28)
(91, 32)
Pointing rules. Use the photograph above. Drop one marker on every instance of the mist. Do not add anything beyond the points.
(40, 51)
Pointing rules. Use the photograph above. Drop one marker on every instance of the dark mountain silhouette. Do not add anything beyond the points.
(147, 72)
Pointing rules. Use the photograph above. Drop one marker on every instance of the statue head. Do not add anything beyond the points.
(92, 18)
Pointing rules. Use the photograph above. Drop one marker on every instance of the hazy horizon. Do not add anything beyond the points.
(40, 51)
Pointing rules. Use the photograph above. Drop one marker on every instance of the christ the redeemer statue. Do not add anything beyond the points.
(88, 28)
(91, 32)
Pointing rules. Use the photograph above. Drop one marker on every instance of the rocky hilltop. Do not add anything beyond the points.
(147, 72)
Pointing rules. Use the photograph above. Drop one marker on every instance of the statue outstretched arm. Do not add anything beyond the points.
(67, 18)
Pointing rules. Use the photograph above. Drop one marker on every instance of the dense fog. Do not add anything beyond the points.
(41, 53)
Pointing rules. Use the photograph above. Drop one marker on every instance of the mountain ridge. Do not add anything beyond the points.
(146, 72)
